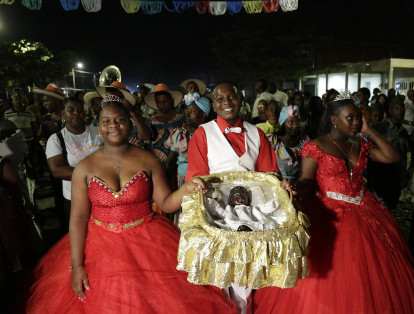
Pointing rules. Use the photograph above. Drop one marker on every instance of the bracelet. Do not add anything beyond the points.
(74, 266)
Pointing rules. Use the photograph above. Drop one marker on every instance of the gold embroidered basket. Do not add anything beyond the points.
(213, 256)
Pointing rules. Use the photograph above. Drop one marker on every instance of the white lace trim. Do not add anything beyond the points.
(346, 198)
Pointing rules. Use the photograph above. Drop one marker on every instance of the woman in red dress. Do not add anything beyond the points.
(122, 256)
(359, 261)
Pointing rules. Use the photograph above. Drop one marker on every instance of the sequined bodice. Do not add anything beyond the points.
(333, 175)
(131, 203)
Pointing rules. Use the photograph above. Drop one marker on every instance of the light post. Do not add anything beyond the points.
(75, 68)
(80, 66)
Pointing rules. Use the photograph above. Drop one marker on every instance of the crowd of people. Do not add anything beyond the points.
(120, 164)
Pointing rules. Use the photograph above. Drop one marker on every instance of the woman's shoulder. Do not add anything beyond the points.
(311, 149)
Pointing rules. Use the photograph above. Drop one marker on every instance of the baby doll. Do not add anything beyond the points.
(239, 196)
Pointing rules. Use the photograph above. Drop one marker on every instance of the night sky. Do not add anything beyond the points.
(135, 42)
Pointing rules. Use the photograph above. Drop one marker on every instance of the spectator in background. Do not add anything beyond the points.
(382, 100)
(146, 110)
(377, 117)
(391, 94)
(24, 119)
(289, 93)
(34, 104)
(261, 109)
(66, 148)
(375, 95)
(272, 111)
(389, 179)
(363, 101)
(80, 96)
(93, 102)
(331, 95)
(51, 123)
(299, 101)
(261, 94)
(166, 120)
(316, 108)
(288, 143)
(281, 97)
(408, 122)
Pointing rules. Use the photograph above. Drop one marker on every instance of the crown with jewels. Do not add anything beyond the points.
(110, 98)
(346, 94)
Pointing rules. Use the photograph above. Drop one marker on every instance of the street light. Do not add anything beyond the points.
(79, 65)
(75, 68)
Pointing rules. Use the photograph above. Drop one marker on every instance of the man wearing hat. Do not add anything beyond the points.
(51, 123)
(166, 120)
(93, 102)
(118, 89)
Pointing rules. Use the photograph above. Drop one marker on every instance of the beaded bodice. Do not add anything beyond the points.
(333, 175)
(131, 203)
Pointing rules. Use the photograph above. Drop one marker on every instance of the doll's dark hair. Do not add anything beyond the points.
(236, 188)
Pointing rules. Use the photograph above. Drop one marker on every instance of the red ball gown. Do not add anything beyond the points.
(359, 261)
(130, 259)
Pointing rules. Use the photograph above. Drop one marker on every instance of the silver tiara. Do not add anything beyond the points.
(110, 98)
(346, 94)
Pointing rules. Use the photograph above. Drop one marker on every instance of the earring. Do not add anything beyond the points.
(63, 120)
(99, 135)
(335, 126)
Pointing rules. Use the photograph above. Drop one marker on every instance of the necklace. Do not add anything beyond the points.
(351, 172)
(118, 165)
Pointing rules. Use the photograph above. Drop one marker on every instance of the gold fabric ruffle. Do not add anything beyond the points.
(212, 256)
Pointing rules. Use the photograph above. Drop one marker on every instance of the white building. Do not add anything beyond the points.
(383, 74)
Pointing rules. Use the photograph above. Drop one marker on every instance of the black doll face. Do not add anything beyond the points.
(239, 196)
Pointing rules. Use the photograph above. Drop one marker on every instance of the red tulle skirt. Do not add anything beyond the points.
(359, 263)
(133, 271)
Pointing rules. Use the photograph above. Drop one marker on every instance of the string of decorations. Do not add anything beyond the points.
(175, 6)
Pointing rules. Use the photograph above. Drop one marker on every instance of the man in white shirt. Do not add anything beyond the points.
(281, 97)
(261, 94)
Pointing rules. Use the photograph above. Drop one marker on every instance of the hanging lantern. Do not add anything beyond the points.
(218, 7)
(92, 5)
(9, 2)
(253, 6)
(131, 6)
(270, 6)
(32, 4)
(151, 7)
(288, 5)
(234, 7)
(70, 5)
(201, 6)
